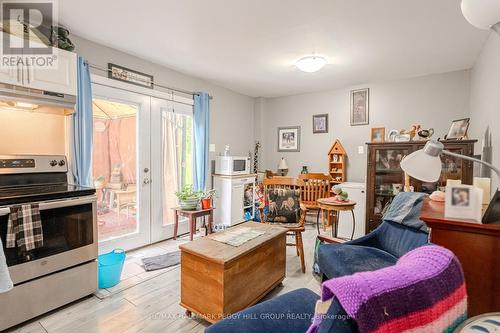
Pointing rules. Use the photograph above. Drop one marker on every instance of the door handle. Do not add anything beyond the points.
(147, 181)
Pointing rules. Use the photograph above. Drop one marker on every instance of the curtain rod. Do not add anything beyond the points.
(187, 92)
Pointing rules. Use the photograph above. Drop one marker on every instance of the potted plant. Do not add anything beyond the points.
(188, 197)
(206, 199)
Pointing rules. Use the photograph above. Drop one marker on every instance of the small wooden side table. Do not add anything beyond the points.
(192, 215)
(326, 204)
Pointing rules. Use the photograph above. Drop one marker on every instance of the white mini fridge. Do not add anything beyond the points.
(357, 192)
(234, 201)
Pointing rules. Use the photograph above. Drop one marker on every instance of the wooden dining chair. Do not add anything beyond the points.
(286, 210)
(316, 186)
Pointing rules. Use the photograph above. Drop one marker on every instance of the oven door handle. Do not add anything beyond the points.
(44, 205)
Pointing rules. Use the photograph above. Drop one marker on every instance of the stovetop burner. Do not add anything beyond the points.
(16, 195)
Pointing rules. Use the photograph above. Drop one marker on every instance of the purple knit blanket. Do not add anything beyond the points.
(423, 292)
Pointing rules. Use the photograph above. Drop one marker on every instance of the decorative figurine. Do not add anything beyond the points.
(425, 134)
(340, 195)
(411, 132)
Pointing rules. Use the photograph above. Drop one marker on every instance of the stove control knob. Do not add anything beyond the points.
(53, 163)
(62, 163)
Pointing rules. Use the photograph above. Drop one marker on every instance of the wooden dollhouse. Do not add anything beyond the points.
(337, 160)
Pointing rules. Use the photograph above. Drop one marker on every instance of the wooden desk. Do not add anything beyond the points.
(477, 246)
(218, 279)
(192, 215)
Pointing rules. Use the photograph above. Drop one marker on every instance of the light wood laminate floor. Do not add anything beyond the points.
(153, 304)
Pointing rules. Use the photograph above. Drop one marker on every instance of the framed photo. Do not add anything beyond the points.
(360, 103)
(320, 123)
(458, 129)
(289, 139)
(463, 202)
(124, 74)
(377, 134)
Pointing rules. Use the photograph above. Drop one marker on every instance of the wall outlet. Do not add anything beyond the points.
(361, 149)
(211, 148)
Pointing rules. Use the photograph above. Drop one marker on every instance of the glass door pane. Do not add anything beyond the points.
(114, 167)
(452, 168)
(121, 167)
(172, 151)
(389, 180)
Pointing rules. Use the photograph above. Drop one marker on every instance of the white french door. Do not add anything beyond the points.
(172, 153)
(121, 167)
(143, 154)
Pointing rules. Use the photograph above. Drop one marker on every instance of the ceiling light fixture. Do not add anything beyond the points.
(483, 14)
(311, 64)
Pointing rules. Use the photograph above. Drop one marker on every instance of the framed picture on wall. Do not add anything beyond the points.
(377, 135)
(320, 123)
(289, 139)
(360, 104)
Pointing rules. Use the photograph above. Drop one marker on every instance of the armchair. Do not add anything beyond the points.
(401, 232)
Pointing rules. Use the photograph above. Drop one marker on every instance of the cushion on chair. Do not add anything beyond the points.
(284, 206)
(398, 239)
(337, 260)
(288, 313)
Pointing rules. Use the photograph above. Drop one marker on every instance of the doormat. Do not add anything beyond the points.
(162, 261)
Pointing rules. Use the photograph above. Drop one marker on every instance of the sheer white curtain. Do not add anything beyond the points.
(170, 164)
(177, 150)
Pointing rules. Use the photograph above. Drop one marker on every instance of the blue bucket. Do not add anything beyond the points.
(110, 268)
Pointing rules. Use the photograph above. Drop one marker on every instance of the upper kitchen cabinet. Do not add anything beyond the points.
(12, 75)
(9, 75)
(58, 79)
(61, 79)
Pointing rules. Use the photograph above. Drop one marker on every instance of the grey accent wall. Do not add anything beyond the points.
(231, 114)
(259, 127)
(485, 97)
(432, 101)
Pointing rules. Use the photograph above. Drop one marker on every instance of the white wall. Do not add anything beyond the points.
(485, 97)
(231, 112)
(432, 101)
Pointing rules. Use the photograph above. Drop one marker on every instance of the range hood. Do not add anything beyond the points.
(21, 97)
